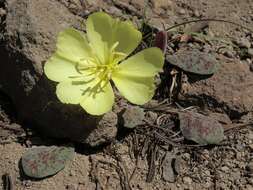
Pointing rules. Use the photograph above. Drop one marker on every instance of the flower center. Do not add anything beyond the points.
(97, 74)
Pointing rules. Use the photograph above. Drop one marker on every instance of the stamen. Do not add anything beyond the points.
(119, 53)
(114, 47)
(99, 71)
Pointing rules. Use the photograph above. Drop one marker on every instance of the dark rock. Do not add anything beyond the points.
(243, 42)
(105, 131)
(133, 116)
(30, 37)
(200, 129)
(168, 173)
(194, 61)
(230, 89)
(250, 52)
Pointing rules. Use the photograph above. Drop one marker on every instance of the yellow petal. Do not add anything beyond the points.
(146, 63)
(59, 69)
(73, 45)
(137, 90)
(99, 103)
(69, 93)
(99, 32)
(103, 32)
(128, 37)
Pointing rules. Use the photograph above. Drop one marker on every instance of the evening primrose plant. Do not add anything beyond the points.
(84, 64)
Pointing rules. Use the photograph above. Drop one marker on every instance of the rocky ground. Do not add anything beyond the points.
(112, 157)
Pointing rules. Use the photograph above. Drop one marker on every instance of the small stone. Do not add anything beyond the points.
(250, 181)
(239, 146)
(133, 116)
(250, 52)
(251, 67)
(161, 4)
(151, 116)
(75, 5)
(249, 167)
(207, 172)
(248, 187)
(105, 131)
(182, 11)
(168, 173)
(238, 155)
(196, 13)
(186, 156)
(2, 12)
(250, 135)
(236, 174)
(179, 165)
(139, 4)
(187, 180)
(115, 11)
(251, 146)
(249, 61)
(71, 187)
(229, 53)
(243, 42)
(224, 168)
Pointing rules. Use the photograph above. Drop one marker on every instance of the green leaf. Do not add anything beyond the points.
(40, 162)
(200, 129)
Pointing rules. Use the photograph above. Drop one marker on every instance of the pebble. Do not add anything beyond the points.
(2, 12)
(196, 13)
(250, 52)
(71, 187)
(168, 173)
(251, 146)
(207, 172)
(115, 11)
(187, 180)
(250, 135)
(151, 116)
(250, 167)
(224, 168)
(236, 175)
(228, 53)
(182, 11)
(178, 166)
(248, 187)
(250, 181)
(186, 156)
(238, 155)
(251, 67)
(164, 4)
(243, 42)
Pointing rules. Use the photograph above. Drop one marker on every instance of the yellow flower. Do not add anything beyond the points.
(84, 65)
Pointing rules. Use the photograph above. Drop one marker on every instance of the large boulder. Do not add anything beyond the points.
(30, 34)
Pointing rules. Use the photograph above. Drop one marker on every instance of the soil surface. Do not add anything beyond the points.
(147, 157)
